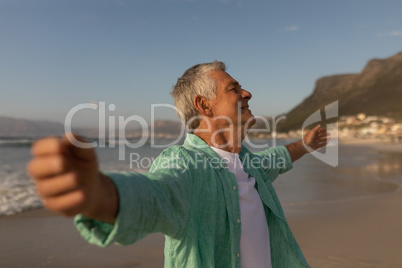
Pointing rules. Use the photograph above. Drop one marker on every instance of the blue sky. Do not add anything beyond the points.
(57, 54)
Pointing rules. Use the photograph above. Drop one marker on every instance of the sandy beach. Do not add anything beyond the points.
(361, 230)
(39, 238)
(357, 233)
(365, 233)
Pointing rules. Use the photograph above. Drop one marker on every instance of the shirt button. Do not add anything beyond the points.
(238, 220)
(238, 255)
(234, 188)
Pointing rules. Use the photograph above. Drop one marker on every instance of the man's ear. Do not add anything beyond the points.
(202, 106)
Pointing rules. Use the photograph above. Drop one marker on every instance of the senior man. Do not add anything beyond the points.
(211, 197)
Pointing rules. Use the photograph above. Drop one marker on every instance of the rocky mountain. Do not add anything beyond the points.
(13, 127)
(377, 90)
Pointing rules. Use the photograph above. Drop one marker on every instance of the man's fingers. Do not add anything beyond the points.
(64, 173)
(68, 204)
(323, 136)
(47, 166)
(75, 142)
(322, 141)
(47, 146)
(317, 127)
(323, 133)
(58, 185)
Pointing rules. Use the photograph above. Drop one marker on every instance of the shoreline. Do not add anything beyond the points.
(378, 144)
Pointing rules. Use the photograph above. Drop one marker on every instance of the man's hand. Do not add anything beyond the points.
(316, 138)
(313, 140)
(68, 180)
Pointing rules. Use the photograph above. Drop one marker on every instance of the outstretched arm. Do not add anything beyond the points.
(314, 139)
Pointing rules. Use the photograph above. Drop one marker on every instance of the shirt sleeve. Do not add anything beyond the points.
(157, 201)
(278, 161)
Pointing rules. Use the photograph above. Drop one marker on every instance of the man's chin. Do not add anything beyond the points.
(250, 121)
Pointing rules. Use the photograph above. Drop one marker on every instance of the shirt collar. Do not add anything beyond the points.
(196, 142)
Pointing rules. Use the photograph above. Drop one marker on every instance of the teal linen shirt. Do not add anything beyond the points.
(191, 197)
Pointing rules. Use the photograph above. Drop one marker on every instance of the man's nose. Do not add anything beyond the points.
(246, 94)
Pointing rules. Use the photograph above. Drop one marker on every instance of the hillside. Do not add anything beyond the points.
(377, 90)
(13, 127)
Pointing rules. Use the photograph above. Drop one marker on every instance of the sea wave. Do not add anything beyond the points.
(18, 199)
(16, 142)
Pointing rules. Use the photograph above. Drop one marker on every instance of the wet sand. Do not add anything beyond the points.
(364, 232)
(361, 229)
(39, 238)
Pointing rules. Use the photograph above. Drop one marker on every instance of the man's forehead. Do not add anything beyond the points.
(223, 78)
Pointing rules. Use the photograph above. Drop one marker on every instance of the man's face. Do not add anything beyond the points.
(231, 103)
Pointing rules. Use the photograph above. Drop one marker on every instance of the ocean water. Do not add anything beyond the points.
(362, 173)
(17, 190)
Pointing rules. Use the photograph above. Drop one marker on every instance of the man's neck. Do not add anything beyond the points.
(225, 140)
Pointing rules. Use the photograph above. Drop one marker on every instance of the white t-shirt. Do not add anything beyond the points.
(255, 251)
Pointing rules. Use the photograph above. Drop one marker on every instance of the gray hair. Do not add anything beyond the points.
(195, 81)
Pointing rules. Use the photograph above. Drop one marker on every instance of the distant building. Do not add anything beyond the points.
(361, 116)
